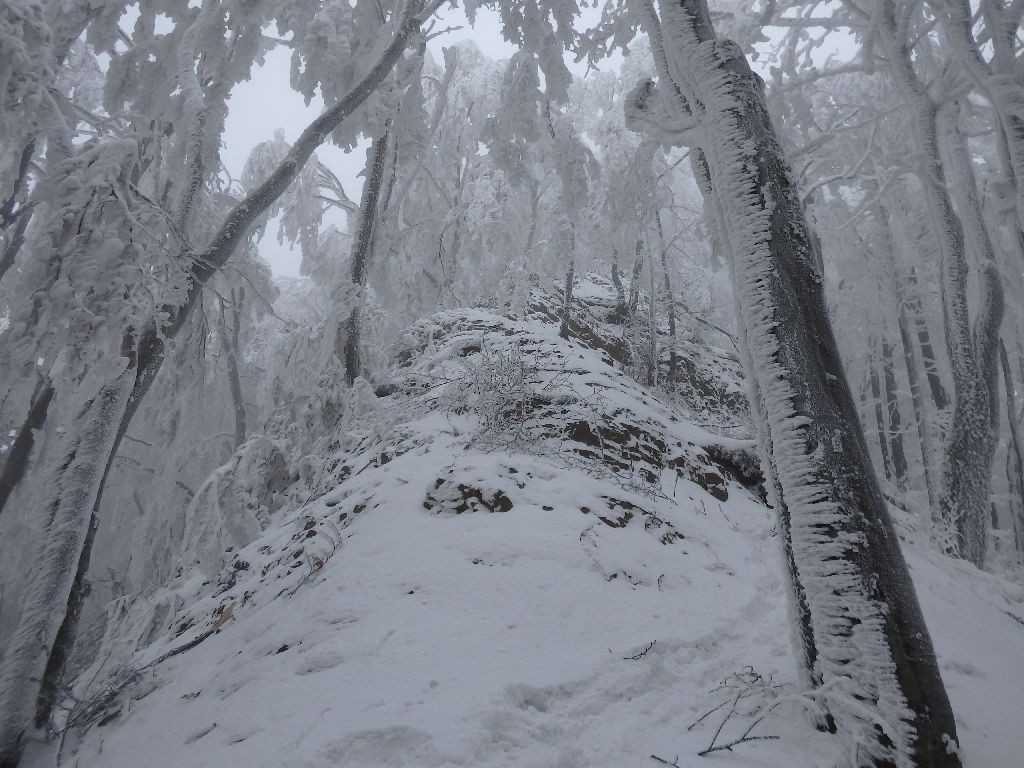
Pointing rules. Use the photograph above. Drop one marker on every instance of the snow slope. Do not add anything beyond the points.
(476, 579)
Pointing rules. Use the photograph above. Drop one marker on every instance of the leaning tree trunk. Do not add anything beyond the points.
(718, 229)
(873, 652)
(347, 342)
(231, 348)
(47, 625)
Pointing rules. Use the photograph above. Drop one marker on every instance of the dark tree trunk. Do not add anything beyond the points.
(876, 405)
(11, 208)
(348, 341)
(567, 300)
(894, 290)
(634, 284)
(234, 380)
(910, 362)
(845, 550)
(652, 328)
(1015, 452)
(621, 307)
(21, 449)
(894, 421)
(670, 302)
(931, 368)
(17, 239)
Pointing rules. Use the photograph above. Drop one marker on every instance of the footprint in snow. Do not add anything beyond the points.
(200, 733)
(963, 667)
(319, 662)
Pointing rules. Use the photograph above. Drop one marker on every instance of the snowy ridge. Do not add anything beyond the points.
(479, 583)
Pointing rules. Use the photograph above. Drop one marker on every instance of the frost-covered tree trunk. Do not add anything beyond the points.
(872, 651)
(963, 508)
(652, 327)
(621, 308)
(348, 338)
(920, 418)
(966, 498)
(72, 487)
(19, 374)
(194, 108)
(34, 53)
(570, 276)
(929, 363)
(231, 348)
(892, 285)
(714, 219)
(876, 404)
(14, 237)
(997, 80)
(894, 420)
(1014, 452)
(634, 280)
(74, 477)
(670, 300)
(16, 464)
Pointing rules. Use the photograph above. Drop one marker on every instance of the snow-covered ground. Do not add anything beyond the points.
(560, 575)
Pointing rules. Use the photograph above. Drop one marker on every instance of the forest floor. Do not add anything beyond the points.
(567, 573)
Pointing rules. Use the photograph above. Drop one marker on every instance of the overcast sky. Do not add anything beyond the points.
(267, 102)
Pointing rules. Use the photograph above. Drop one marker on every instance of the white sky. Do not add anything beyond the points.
(265, 103)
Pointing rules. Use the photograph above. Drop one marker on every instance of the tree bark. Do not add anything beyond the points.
(940, 398)
(670, 301)
(963, 509)
(893, 288)
(652, 327)
(231, 347)
(634, 282)
(567, 299)
(1015, 451)
(17, 239)
(621, 308)
(845, 552)
(894, 421)
(998, 82)
(800, 612)
(18, 457)
(347, 343)
(920, 418)
(876, 405)
(68, 506)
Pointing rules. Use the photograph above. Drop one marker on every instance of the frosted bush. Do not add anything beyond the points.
(503, 399)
